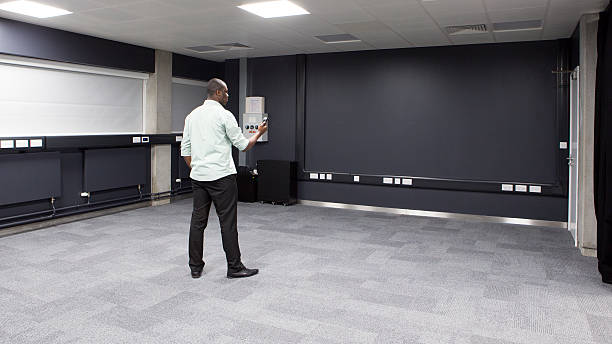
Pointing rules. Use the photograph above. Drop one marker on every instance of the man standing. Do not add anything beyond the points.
(210, 131)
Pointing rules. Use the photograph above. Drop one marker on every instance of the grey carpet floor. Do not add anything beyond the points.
(327, 276)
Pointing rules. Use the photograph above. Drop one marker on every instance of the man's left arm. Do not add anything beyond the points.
(186, 143)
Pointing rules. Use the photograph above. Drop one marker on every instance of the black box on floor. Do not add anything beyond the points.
(277, 181)
(247, 185)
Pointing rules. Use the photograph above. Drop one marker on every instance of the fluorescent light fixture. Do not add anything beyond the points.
(274, 9)
(33, 9)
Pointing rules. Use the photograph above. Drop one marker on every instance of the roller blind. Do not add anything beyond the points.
(46, 101)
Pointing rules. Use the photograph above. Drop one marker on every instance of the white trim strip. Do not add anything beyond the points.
(38, 63)
(191, 82)
(436, 214)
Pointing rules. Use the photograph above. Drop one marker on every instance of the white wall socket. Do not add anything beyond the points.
(507, 187)
(535, 188)
(520, 188)
(329, 176)
(22, 143)
(356, 179)
(6, 144)
(387, 180)
(407, 181)
(314, 176)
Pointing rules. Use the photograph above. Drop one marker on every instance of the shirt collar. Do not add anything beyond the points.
(210, 102)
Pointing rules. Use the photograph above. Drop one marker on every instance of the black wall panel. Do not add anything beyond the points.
(275, 79)
(106, 169)
(490, 204)
(29, 177)
(28, 40)
(193, 68)
(232, 79)
(480, 112)
(575, 48)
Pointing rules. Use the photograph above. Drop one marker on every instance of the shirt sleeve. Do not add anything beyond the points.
(234, 133)
(186, 142)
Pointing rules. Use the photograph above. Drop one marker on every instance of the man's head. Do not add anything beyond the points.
(217, 90)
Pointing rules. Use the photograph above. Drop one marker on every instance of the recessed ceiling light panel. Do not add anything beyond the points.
(274, 9)
(339, 38)
(33, 9)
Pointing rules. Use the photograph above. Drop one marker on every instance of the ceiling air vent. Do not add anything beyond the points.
(518, 25)
(340, 38)
(233, 46)
(204, 49)
(466, 29)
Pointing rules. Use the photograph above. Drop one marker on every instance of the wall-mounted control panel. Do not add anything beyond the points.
(250, 124)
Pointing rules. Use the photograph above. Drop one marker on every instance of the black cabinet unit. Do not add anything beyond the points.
(247, 185)
(277, 182)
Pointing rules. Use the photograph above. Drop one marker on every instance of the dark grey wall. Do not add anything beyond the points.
(71, 183)
(349, 95)
(28, 40)
(275, 78)
(193, 68)
(232, 79)
(478, 203)
(484, 112)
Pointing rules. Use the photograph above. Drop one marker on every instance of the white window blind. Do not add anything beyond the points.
(38, 100)
(186, 96)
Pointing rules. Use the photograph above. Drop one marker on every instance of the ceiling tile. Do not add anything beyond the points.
(151, 9)
(529, 13)
(518, 36)
(307, 25)
(500, 5)
(403, 11)
(445, 7)
(352, 46)
(345, 16)
(427, 36)
(110, 15)
(383, 39)
(472, 38)
(461, 19)
(371, 26)
(73, 5)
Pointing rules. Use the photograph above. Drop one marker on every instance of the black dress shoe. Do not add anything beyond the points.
(196, 274)
(242, 273)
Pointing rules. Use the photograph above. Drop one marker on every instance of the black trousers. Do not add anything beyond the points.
(223, 193)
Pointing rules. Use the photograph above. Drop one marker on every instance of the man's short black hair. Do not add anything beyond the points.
(214, 85)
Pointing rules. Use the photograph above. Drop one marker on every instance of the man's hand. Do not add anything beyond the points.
(263, 127)
(188, 160)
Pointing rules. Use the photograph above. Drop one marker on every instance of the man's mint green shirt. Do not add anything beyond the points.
(210, 131)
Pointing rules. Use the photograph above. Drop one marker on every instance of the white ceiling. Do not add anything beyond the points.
(381, 24)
